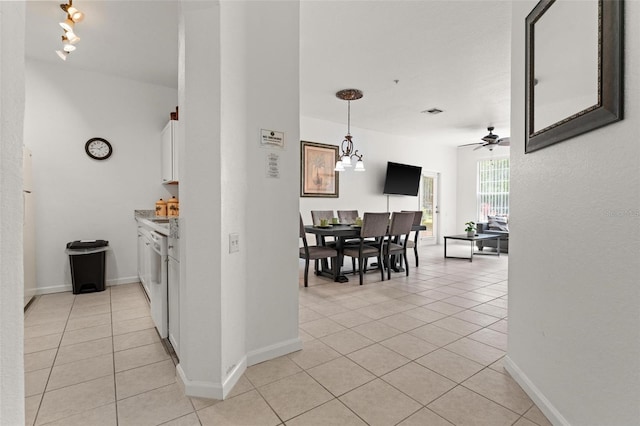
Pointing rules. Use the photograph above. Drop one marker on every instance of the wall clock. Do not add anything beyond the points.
(98, 148)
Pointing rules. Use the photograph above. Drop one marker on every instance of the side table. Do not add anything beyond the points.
(472, 240)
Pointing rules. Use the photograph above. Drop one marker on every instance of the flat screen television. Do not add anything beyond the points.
(402, 179)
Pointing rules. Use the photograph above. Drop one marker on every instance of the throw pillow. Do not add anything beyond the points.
(498, 223)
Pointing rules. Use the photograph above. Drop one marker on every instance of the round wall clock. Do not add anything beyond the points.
(98, 148)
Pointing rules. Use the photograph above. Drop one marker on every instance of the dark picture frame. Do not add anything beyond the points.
(609, 106)
(317, 175)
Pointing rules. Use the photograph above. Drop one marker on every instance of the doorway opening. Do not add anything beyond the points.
(429, 201)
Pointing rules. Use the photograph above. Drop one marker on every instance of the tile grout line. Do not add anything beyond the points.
(35, 419)
(113, 359)
(439, 347)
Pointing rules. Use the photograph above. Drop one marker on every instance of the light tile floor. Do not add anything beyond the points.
(420, 350)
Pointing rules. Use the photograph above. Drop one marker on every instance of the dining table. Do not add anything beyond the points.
(341, 233)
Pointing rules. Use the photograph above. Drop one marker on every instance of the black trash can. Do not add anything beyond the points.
(87, 259)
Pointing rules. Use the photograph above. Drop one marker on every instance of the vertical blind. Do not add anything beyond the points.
(493, 188)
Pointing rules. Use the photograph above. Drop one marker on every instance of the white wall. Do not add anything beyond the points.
(363, 191)
(467, 183)
(273, 93)
(240, 308)
(574, 298)
(200, 205)
(11, 212)
(77, 197)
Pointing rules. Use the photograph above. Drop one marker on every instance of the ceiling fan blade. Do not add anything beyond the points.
(504, 142)
(480, 147)
(469, 144)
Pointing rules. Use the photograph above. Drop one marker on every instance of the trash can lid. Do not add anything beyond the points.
(86, 244)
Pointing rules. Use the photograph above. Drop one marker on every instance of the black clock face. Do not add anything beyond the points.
(98, 148)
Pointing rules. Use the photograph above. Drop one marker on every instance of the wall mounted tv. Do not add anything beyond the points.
(402, 179)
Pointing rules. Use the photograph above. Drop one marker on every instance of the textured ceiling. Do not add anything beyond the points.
(454, 55)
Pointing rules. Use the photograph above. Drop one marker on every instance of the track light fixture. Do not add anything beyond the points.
(347, 144)
(69, 37)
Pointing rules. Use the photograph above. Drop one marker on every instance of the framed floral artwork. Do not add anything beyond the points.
(317, 175)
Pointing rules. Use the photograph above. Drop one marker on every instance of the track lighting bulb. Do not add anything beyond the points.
(63, 55)
(67, 25)
(71, 37)
(75, 14)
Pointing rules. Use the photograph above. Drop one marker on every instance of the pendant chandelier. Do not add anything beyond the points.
(347, 151)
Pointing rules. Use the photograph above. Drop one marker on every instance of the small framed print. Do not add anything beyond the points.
(317, 175)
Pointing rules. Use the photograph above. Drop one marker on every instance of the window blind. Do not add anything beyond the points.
(493, 188)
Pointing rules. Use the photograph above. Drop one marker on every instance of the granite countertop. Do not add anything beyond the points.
(166, 225)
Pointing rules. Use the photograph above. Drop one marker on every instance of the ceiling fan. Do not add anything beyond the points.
(490, 141)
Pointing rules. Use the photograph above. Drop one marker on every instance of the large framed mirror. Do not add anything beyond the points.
(574, 69)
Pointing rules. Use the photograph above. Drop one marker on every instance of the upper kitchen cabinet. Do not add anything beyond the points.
(170, 152)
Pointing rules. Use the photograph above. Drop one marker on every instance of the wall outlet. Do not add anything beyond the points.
(234, 243)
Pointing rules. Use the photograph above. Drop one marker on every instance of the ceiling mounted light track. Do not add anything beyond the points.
(347, 151)
(69, 38)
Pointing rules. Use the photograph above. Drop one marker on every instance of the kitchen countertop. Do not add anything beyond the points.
(165, 225)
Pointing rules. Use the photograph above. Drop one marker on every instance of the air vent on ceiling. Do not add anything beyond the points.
(433, 111)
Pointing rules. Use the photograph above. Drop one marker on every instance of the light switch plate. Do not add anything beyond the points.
(234, 243)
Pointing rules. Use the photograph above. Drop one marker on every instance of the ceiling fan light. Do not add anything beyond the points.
(62, 54)
(68, 47)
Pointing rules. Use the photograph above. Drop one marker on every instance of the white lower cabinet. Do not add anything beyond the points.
(174, 297)
(144, 261)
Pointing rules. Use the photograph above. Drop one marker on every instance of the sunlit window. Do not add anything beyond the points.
(493, 188)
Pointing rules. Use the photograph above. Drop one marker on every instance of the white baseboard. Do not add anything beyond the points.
(220, 391)
(233, 378)
(273, 351)
(199, 389)
(123, 280)
(68, 287)
(53, 289)
(547, 408)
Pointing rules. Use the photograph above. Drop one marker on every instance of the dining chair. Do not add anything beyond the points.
(308, 253)
(374, 225)
(397, 239)
(347, 217)
(318, 215)
(417, 221)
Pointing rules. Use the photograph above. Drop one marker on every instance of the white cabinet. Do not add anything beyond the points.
(170, 152)
(174, 295)
(144, 259)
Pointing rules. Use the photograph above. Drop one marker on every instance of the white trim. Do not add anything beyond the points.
(198, 389)
(274, 351)
(69, 287)
(233, 378)
(123, 280)
(434, 239)
(547, 408)
(53, 289)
